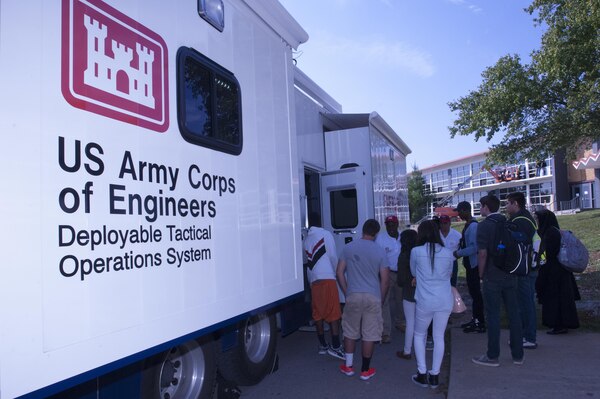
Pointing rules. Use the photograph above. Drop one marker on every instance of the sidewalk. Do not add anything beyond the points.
(563, 366)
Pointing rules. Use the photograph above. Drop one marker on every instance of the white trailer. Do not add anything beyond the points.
(354, 165)
(154, 177)
(150, 189)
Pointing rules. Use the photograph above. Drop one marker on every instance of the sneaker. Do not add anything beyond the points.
(529, 345)
(323, 349)
(483, 360)
(420, 380)
(365, 375)
(433, 381)
(518, 361)
(349, 371)
(468, 324)
(336, 352)
(386, 339)
(403, 355)
(475, 328)
(556, 331)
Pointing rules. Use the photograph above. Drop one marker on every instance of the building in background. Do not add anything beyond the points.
(544, 182)
(584, 179)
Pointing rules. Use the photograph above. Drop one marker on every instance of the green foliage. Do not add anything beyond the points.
(553, 103)
(418, 197)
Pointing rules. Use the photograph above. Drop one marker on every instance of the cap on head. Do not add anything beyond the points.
(391, 219)
(463, 206)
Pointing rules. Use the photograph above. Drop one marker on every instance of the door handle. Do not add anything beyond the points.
(344, 231)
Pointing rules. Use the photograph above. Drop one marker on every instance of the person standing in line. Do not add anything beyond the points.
(451, 240)
(321, 254)
(468, 251)
(364, 277)
(408, 239)
(556, 287)
(389, 240)
(517, 213)
(498, 287)
(431, 264)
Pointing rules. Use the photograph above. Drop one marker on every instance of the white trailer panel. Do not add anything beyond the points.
(83, 166)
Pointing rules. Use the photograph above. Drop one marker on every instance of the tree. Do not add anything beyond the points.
(551, 104)
(418, 195)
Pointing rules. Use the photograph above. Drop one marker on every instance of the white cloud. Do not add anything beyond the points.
(463, 3)
(475, 9)
(375, 52)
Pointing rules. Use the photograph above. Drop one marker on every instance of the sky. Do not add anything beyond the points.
(406, 59)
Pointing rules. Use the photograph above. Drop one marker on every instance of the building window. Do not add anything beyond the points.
(540, 194)
(209, 103)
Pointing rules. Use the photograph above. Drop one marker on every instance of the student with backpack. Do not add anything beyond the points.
(556, 287)
(515, 209)
(498, 287)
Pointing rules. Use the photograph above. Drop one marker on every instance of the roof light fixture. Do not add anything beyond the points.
(212, 11)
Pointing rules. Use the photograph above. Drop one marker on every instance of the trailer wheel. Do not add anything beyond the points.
(254, 356)
(184, 372)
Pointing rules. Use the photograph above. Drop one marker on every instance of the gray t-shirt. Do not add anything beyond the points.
(364, 259)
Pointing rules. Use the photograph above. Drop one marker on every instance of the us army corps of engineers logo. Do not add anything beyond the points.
(113, 65)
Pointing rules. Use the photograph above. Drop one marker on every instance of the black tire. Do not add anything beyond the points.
(187, 371)
(254, 355)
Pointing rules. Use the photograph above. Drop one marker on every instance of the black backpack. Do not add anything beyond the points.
(512, 251)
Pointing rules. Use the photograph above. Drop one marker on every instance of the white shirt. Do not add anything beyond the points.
(433, 286)
(321, 254)
(452, 240)
(391, 246)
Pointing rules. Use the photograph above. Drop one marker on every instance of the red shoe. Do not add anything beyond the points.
(349, 371)
(365, 375)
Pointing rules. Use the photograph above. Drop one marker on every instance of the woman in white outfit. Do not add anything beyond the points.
(431, 264)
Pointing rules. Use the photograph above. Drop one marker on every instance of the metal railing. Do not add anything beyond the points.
(574, 203)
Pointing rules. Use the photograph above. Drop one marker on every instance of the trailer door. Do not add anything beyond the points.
(345, 200)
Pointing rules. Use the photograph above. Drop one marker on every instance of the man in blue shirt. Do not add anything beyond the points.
(468, 251)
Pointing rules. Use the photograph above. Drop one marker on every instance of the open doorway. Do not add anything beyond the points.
(312, 190)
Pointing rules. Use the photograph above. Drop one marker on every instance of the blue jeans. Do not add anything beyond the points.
(495, 292)
(526, 300)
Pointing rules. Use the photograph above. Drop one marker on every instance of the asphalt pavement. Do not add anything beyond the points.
(563, 366)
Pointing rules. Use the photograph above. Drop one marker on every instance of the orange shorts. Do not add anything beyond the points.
(325, 301)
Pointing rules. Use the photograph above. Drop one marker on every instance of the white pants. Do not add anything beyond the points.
(409, 315)
(422, 320)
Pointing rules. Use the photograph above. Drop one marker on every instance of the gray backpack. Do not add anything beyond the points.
(573, 255)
